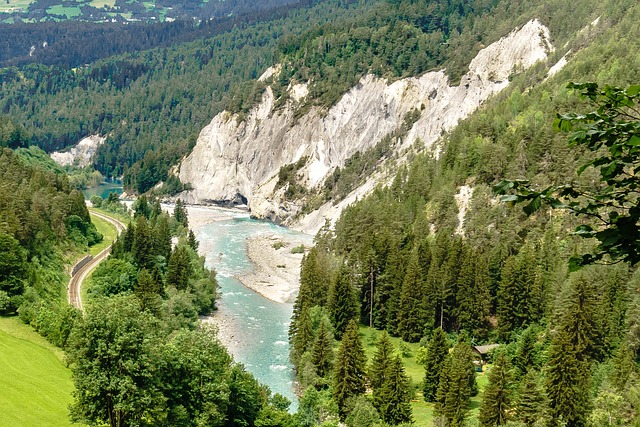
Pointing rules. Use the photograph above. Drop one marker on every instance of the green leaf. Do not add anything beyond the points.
(503, 186)
(633, 90)
(634, 141)
(562, 125)
(584, 230)
(533, 206)
(510, 198)
(575, 263)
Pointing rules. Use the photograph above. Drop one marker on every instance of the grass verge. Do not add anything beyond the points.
(36, 386)
(108, 232)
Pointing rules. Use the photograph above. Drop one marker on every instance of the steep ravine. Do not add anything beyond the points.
(238, 160)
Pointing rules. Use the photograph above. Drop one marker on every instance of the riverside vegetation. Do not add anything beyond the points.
(397, 260)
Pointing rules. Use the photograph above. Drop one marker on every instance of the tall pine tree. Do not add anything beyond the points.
(413, 311)
(396, 395)
(531, 405)
(496, 402)
(342, 303)
(349, 374)
(456, 384)
(567, 382)
(437, 351)
(379, 368)
(322, 351)
(142, 247)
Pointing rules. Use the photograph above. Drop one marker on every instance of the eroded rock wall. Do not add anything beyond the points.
(237, 160)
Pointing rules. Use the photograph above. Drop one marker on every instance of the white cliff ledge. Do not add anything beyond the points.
(81, 154)
(239, 160)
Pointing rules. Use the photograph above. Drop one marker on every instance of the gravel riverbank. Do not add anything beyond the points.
(276, 261)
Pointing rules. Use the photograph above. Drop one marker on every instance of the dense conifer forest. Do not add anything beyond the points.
(505, 276)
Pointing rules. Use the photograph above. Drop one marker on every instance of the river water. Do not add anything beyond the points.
(103, 189)
(259, 326)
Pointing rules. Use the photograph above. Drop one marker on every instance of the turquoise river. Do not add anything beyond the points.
(259, 325)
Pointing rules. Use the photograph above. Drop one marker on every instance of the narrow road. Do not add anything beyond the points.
(75, 284)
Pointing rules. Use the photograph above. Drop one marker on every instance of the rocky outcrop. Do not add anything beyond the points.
(240, 159)
(81, 155)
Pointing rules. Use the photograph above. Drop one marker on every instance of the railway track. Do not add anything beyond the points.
(81, 273)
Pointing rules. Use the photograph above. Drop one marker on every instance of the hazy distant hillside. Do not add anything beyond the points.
(72, 43)
(12, 11)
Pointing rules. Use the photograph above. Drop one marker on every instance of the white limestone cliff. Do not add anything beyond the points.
(81, 154)
(238, 160)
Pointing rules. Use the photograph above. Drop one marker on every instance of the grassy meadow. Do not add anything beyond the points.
(36, 386)
(422, 411)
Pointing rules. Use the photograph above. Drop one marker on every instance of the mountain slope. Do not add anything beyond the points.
(241, 159)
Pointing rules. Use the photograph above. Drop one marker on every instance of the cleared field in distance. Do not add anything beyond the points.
(14, 5)
(36, 386)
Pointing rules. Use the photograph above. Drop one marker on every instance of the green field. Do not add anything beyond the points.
(108, 232)
(14, 5)
(36, 386)
(422, 411)
(69, 12)
(102, 3)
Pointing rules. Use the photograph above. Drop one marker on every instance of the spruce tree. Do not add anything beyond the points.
(456, 384)
(162, 237)
(465, 296)
(531, 405)
(315, 280)
(141, 207)
(349, 374)
(518, 301)
(156, 210)
(437, 351)
(180, 214)
(148, 291)
(413, 311)
(322, 351)
(473, 300)
(567, 382)
(581, 318)
(387, 297)
(127, 241)
(192, 241)
(179, 269)
(448, 283)
(342, 304)
(525, 352)
(303, 338)
(380, 366)
(395, 395)
(496, 402)
(143, 244)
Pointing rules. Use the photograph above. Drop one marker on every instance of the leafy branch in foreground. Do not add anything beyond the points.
(612, 133)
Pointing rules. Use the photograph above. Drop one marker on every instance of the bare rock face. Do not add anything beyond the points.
(236, 158)
(82, 154)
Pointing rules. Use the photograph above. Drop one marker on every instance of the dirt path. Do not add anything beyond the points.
(75, 284)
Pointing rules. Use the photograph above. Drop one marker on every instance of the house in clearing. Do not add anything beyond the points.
(483, 352)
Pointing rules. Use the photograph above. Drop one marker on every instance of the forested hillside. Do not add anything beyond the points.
(43, 221)
(435, 257)
(153, 104)
(124, 12)
(75, 44)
